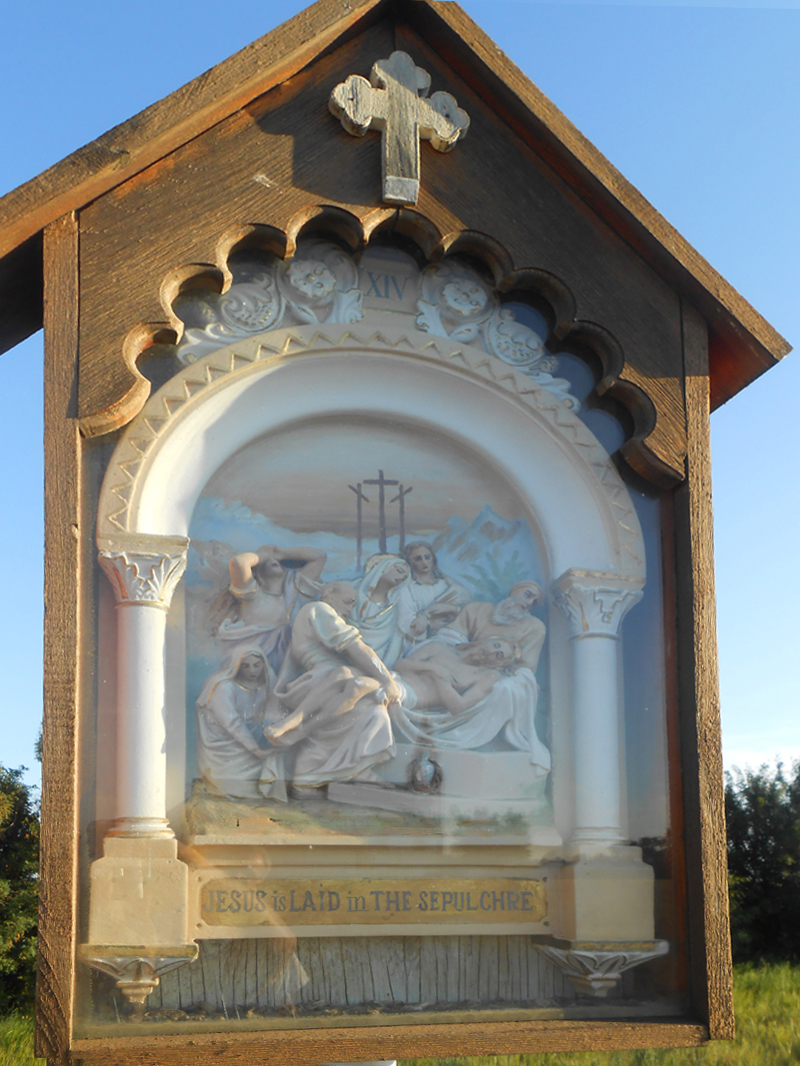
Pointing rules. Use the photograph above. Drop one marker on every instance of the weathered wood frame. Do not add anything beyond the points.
(696, 771)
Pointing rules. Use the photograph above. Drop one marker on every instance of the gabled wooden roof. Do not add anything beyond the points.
(743, 344)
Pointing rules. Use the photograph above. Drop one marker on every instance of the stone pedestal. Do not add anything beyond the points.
(607, 894)
(139, 893)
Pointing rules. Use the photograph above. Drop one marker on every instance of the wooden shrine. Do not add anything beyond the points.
(381, 706)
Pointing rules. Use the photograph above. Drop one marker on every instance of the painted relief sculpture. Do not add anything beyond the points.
(264, 594)
(440, 663)
(377, 608)
(230, 724)
(337, 694)
(430, 599)
(394, 101)
(440, 676)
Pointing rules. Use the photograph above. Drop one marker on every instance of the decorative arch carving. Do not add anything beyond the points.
(143, 462)
(646, 450)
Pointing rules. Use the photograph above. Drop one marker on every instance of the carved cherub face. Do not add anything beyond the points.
(464, 297)
(311, 277)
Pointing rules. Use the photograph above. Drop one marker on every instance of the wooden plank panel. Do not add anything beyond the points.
(181, 209)
(412, 954)
(345, 970)
(427, 969)
(58, 854)
(709, 931)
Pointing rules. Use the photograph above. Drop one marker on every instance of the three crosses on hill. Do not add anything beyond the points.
(382, 483)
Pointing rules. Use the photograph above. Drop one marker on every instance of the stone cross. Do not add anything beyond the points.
(394, 101)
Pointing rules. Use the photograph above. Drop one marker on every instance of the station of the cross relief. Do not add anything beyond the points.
(413, 700)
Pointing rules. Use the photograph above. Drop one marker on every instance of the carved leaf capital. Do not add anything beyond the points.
(595, 603)
(141, 576)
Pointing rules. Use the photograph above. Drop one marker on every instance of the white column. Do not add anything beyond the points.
(144, 571)
(595, 604)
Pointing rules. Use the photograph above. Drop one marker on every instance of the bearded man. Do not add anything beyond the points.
(510, 619)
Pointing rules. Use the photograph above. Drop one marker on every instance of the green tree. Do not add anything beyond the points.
(19, 891)
(763, 812)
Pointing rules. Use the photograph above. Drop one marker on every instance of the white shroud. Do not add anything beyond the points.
(509, 711)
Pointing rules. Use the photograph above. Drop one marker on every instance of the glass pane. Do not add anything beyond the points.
(378, 728)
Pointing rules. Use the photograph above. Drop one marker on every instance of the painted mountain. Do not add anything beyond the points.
(487, 555)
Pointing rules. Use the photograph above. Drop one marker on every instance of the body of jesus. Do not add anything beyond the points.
(458, 678)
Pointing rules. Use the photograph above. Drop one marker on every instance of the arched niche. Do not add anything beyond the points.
(589, 535)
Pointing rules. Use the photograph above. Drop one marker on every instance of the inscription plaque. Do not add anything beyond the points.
(380, 901)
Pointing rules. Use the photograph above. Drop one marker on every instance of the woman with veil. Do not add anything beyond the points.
(230, 722)
(375, 614)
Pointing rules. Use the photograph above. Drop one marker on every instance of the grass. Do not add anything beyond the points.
(16, 1041)
(767, 1033)
(767, 1006)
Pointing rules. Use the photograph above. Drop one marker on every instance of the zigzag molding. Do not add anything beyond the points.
(191, 387)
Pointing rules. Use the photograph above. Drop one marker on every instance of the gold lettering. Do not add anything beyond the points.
(267, 903)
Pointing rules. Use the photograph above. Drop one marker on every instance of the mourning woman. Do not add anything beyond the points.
(375, 614)
(230, 724)
(265, 589)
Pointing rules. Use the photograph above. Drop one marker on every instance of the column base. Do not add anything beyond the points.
(150, 828)
(596, 968)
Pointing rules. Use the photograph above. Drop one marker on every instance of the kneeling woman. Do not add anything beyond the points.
(230, 723)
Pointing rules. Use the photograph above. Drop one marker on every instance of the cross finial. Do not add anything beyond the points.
(394, 101)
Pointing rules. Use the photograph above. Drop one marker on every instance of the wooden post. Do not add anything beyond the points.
(55, 984)
(710, 968)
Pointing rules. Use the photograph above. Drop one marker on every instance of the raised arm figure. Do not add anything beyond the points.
(265, 591)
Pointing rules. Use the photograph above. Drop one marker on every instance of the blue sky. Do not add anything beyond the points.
(699, 106)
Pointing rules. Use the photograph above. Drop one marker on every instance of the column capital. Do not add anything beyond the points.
(143, 569)
(595, 601)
